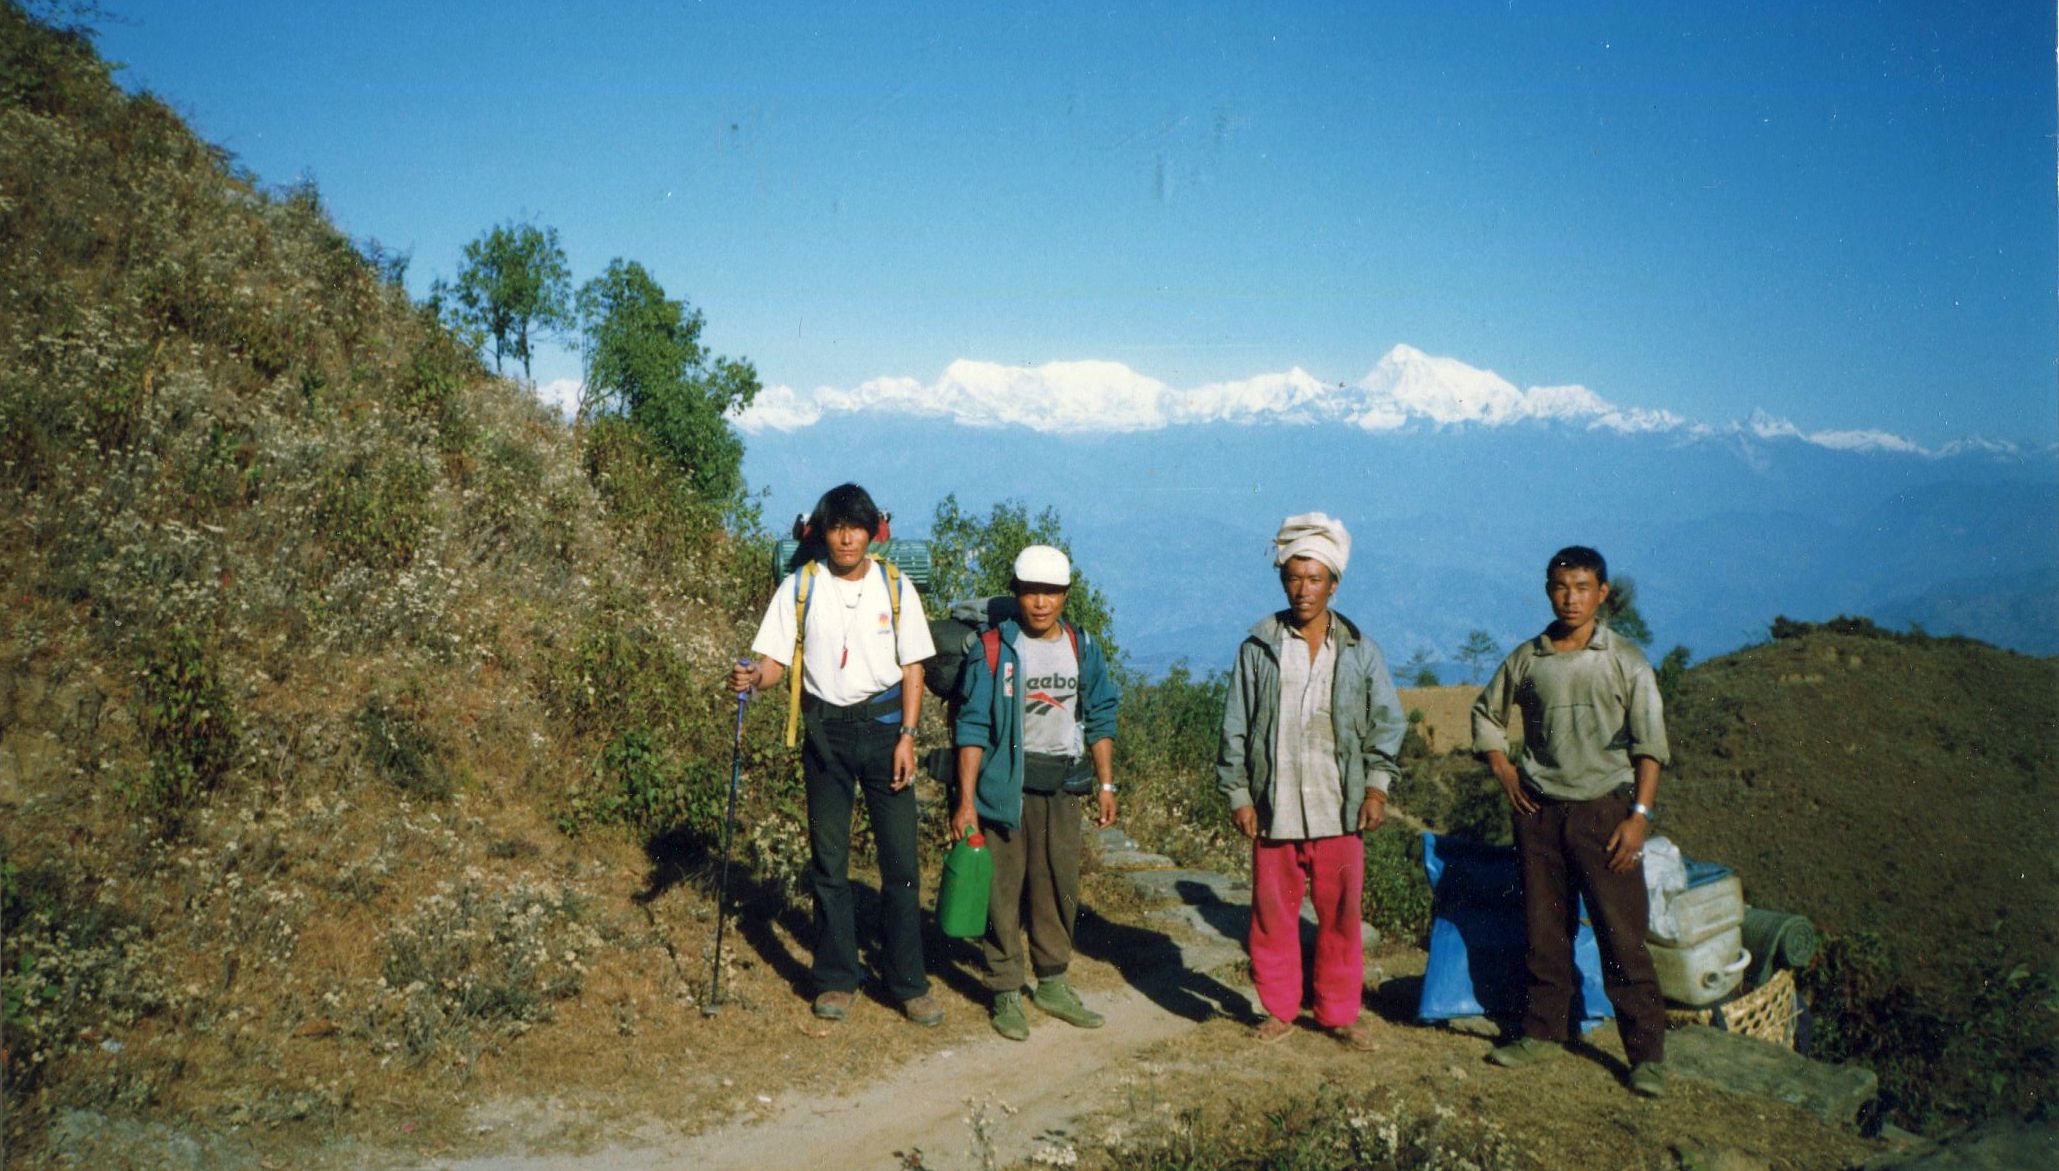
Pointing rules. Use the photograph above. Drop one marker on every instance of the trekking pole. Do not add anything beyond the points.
(736, 767)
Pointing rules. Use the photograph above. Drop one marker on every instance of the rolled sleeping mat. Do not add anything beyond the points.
(911, 555)
(1777, 940)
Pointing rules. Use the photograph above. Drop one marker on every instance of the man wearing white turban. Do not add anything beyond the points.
(1310, 736)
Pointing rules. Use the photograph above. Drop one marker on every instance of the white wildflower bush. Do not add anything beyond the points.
(77, 974)
(468, 960)
(1369, 1129)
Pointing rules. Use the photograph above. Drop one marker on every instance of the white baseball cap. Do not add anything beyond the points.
(1043, 565)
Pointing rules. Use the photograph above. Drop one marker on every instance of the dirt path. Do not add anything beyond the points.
(1174, 1053)
(974, 1099)
(1012, 1091)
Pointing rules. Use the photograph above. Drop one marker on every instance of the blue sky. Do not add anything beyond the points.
(1842, 215)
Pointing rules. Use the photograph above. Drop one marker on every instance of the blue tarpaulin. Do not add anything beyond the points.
(1476, 938)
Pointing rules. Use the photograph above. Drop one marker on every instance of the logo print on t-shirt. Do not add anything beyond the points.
(1037, 703)
(886, 620)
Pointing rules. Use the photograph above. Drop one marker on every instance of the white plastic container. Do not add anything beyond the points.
(1701, 973)
(1702, 912)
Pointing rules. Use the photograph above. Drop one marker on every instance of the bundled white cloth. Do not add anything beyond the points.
(1665, 875)
(1316, 536)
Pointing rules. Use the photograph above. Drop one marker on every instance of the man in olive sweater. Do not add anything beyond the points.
(1594, 739)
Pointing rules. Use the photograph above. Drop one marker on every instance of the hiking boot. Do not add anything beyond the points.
(1056, 997)
(1007, 1018)
(1648, 1079)
(1528, 1051)
(923, 1010)
(832, 1006)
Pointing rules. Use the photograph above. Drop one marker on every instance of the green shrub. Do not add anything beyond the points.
(1397, 893)
(648, 499)
(439, 369)
(1992, 1049)
(638, 785)
(375, 508)
(400, 747)
(187, 721)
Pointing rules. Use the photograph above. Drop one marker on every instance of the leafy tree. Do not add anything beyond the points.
(1671, 670)
(975, 558)
(644, 362)
(1478, 653)
(1418, 670)
(1621, 612)
(514, 285)
(1169, 728)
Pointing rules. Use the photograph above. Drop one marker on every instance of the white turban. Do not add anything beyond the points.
(1316, 536)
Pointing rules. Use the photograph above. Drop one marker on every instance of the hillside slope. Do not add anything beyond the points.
(1893, 784)
(322, 652)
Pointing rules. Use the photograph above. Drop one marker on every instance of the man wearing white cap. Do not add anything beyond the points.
(1036, 729)
(1310, 735)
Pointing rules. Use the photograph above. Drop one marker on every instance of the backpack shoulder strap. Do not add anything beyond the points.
(1079, 699)
(892, 573)
(991, 637)
(804, 595)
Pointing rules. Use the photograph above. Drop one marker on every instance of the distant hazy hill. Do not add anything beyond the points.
(1894, 785)
(1453, 525)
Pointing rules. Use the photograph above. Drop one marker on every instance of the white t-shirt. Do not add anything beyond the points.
(850, 654)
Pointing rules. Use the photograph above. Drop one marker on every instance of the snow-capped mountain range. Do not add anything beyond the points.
(1406, 386)
(1456, 484)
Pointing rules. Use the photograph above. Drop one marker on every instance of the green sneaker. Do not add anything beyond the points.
(1648, 1079)
(1528, 1051)
(1056, 997)
(1007, 1018)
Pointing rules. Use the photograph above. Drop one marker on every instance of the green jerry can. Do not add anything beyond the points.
(962, 894)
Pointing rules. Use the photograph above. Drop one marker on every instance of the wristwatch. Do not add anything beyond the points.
(1640, 808)
(906, 730)
(1107, 788)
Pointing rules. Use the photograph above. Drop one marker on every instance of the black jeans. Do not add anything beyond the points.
(1563, 851)
(837, 759)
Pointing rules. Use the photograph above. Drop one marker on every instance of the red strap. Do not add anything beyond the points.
(990, 638)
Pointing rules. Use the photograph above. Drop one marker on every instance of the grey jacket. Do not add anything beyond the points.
(1364, 711)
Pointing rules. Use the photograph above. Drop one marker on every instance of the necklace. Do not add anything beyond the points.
(850, 598)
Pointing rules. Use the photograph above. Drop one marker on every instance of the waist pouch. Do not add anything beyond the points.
(1043, 773)
(884, 708)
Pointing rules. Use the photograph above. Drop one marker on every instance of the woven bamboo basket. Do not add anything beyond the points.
(1766, 1013)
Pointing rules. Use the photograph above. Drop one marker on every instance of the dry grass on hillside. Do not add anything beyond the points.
(340, 685)
(1879, 784)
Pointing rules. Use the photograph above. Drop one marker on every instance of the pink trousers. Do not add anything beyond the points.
(1331, 872)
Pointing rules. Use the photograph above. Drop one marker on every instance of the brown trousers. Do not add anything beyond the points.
(1563, 851)
(1036, 868)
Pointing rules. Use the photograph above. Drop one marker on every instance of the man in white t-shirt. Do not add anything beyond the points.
(861, 684)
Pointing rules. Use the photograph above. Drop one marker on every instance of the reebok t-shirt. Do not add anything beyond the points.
(1050, 695)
